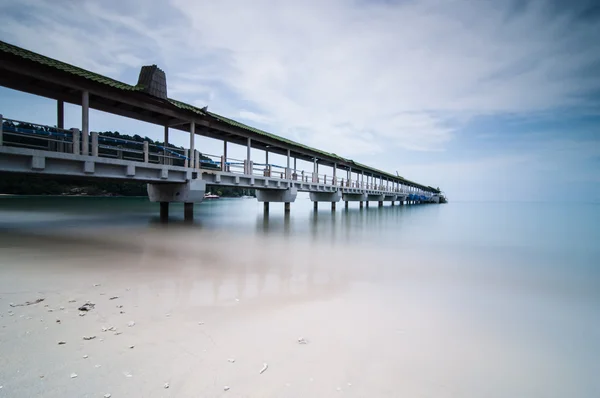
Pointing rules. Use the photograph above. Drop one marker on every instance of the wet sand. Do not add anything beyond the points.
(375, 325)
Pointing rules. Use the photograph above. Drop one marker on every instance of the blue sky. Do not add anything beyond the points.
(489, 100)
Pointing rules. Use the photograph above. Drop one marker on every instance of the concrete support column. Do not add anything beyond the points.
(360, 204)
(76, 144)
(186, 162)
(334, 181)
(266, 207)
(367, 204)
(248, 147)
(164, 211)
(60, 114)
(60, 122)
(197, 158)
(380, 203)
(94, 137)
(333, 206)
(188, 212)
(346, 205)
(192, 142)
(165, 145)
(316, 205)
(224, 157)
(288, 161)
(286, 207)
(85, 123)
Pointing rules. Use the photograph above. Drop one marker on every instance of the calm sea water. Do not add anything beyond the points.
(525, 277)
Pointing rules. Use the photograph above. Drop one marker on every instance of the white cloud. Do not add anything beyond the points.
(250, 116)
(358, 78)
(382, 69)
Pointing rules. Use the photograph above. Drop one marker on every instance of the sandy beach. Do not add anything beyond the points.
(205, 312)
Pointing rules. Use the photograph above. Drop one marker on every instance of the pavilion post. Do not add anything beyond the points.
(192, 139)
(165, 146)
(85, 123)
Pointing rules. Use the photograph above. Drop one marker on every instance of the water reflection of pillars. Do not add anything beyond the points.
(379, 218)
(286, 224)
(262, 223)
(333, 229)
(164, 212)
(346, 225)
(188, 212)
(314, 220)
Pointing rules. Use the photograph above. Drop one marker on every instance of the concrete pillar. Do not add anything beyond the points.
(367, 204)
(192, 141)
(295, 165)
(248, 147)
(334, 174)
(85, 123)
(75, 133)
(286, 207)
(186, 161)
(224, 158)
(380, 203)
(197, 158)
(393, 202)
(60, 114)
(267, 157)
(360, 204)
(333, 206)
(94, 137)
(164, 211)
(166, 144)
(288, 160)
(188, 212)
(266, 207)
(316, 205)
(346, 205)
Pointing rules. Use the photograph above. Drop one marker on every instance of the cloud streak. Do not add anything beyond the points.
(361, 79)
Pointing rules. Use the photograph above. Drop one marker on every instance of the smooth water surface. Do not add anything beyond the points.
(455, 300)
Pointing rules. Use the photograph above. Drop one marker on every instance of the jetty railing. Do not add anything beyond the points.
(24, 134)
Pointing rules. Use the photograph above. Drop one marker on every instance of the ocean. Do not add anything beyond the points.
(465, 299)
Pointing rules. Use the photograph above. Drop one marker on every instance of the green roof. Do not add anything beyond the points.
(74, 70)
